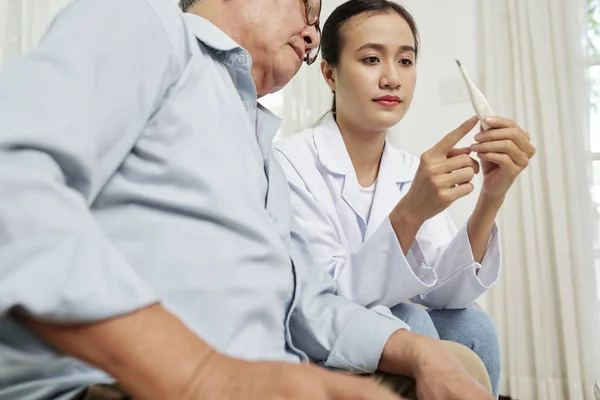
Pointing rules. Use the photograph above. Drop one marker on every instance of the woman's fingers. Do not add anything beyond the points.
(503, 160)
(458, 162)
(456, 192)
(497, 122)
(457, 177)
(520, 138)
(507, 147)
(458, 152)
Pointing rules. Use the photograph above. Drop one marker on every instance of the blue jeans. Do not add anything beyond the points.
(471, 327)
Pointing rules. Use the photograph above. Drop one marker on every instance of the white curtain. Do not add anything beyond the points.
(23, 23)
(546, 305)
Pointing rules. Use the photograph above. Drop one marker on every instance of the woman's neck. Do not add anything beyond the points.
(365, 149)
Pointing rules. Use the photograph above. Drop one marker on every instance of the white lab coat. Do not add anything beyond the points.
(364, 258)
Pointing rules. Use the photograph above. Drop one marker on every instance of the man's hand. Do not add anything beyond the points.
(439, 375)
(224, 378)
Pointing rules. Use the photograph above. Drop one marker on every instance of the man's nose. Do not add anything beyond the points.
(311, 38)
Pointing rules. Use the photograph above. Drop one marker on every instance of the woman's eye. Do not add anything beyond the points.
(406, 61)
(371, 60)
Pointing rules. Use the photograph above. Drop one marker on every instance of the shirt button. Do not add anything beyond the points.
(242, 59)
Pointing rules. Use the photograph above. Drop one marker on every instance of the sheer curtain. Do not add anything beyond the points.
(546, 304)
(22, 24)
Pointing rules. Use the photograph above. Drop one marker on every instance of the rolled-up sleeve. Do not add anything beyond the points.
(331, 329)
(69, 113)
(461, 280)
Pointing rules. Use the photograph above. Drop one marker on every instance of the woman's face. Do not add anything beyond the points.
(375, 79)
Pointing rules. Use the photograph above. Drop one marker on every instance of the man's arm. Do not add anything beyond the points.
(150, 352)
(70, 111)
(438, 372)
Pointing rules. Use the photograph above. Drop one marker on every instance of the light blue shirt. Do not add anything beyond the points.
(135, 167)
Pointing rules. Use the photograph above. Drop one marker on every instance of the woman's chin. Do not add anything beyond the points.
(386, 121)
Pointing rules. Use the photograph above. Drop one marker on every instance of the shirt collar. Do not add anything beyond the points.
(334, 155)
(209, 34)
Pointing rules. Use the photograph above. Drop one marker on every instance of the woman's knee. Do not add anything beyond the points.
(470, 323)
(417, 318)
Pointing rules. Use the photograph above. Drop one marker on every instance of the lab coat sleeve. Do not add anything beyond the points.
(330, 329)
(461, 280)
(377, 273)
(70, 111)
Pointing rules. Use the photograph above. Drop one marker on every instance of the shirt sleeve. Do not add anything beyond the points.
(70, 111)
(333, 330)
(461, 280)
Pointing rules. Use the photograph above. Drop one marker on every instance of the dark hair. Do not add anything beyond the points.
(331, 37)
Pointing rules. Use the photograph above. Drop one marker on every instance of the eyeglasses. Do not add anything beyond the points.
(312, 10)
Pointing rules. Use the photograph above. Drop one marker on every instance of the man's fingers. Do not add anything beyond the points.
(450, 140)
(359, 388)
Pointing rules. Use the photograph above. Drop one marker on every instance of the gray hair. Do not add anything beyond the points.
(186, 4)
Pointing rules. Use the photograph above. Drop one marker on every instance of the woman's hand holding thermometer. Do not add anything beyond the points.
(502, 146)
(444, 176)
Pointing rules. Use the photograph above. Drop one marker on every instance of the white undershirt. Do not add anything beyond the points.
(367, 194)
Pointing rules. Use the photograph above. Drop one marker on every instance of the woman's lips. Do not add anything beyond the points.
(388, 101)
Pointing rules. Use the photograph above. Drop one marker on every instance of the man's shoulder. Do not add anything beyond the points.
(141, 24)
(169, 18)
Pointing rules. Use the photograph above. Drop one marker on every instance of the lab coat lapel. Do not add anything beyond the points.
(334, 157)
(392, 173)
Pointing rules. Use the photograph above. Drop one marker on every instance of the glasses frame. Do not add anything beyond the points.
(308, 59)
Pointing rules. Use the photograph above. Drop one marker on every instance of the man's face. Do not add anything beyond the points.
(280, 41)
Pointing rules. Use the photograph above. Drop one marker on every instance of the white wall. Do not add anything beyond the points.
(448, 30)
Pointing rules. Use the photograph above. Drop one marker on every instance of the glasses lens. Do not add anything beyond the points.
(313, 11)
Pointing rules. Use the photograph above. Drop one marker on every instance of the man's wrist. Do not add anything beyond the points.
(402, 353)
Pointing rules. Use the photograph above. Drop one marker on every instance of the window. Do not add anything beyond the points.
(594, 79)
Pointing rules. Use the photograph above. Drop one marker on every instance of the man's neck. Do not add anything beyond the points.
(219, 15)
(231, 21)
(365, 149)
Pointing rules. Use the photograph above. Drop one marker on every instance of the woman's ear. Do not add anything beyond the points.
(329, 74)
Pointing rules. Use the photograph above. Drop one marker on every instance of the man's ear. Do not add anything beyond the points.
(329, 74)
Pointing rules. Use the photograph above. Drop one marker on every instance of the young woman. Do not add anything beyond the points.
(375, 215)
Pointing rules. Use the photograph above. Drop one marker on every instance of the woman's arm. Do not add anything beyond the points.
(480, 225)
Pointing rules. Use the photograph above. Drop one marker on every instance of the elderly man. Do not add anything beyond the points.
(145, 230)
